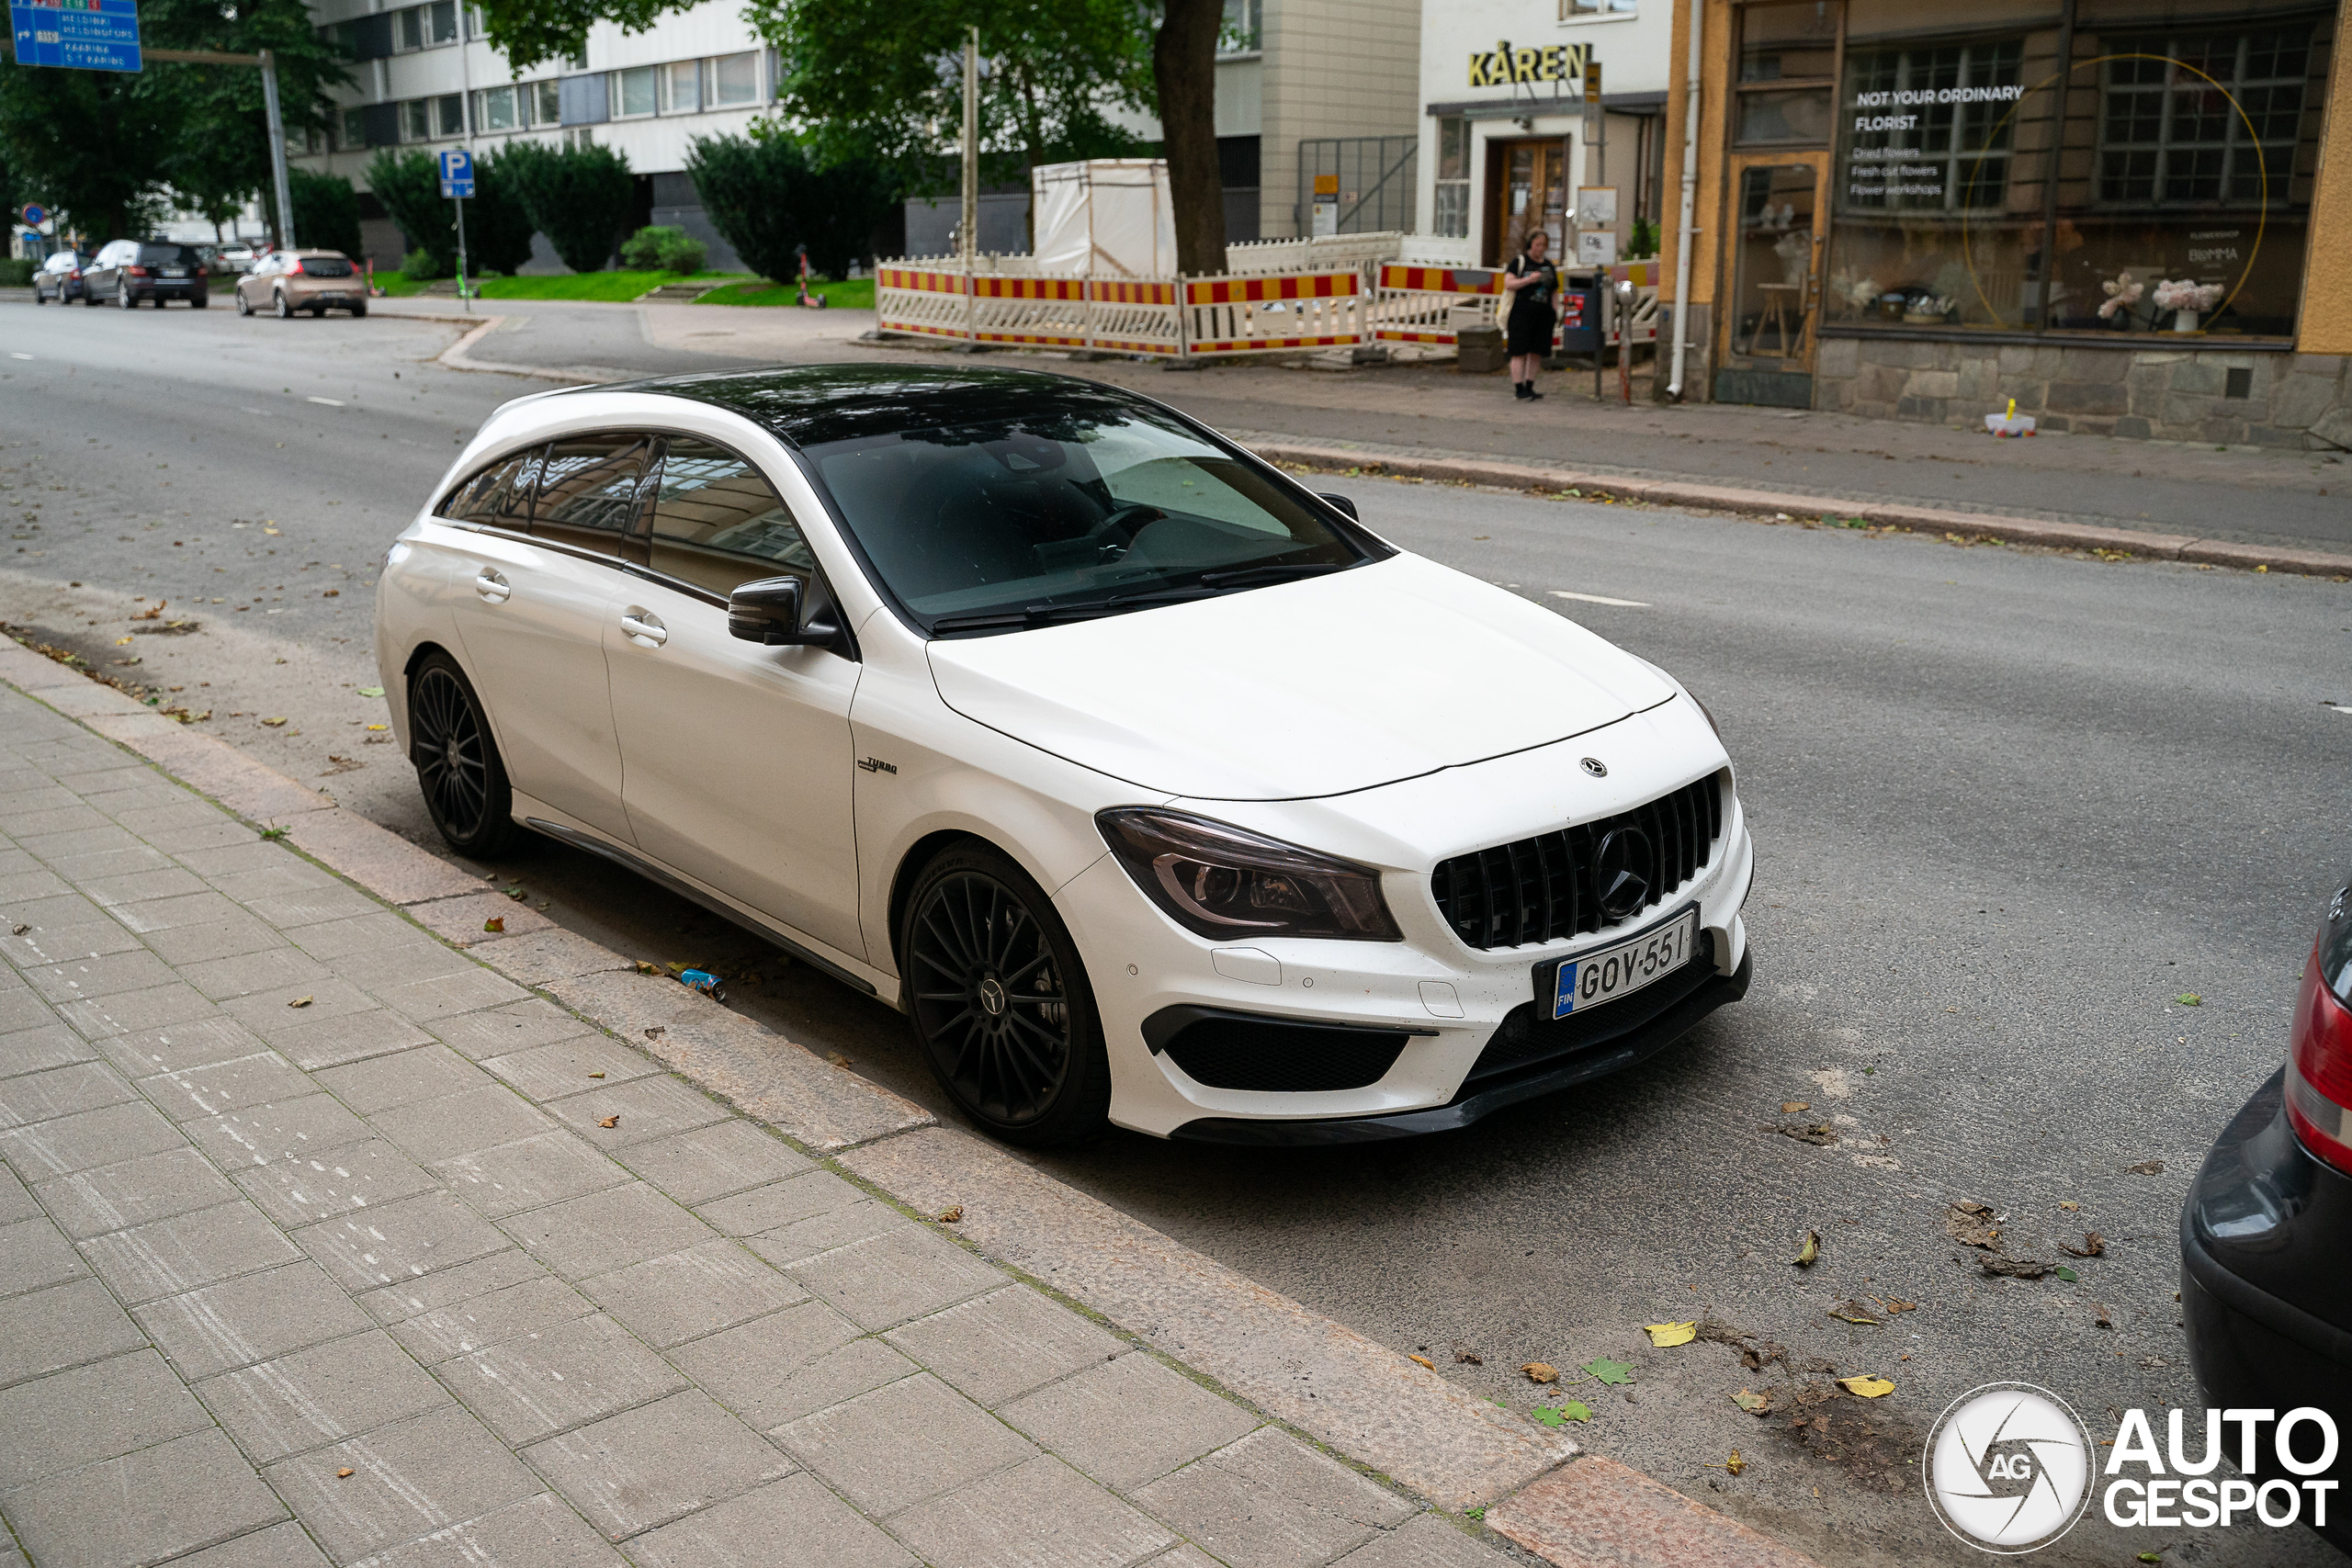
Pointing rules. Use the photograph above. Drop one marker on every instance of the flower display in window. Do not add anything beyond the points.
(2185, 295)
(2123, 291)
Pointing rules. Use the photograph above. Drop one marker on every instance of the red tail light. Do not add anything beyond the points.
(136, 271)
(295, 267)
(2319, 1070)
(202, 272)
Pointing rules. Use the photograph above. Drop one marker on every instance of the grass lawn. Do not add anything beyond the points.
(398, 285)
(851, 294)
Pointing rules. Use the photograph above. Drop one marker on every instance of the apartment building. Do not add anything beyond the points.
(418, 83)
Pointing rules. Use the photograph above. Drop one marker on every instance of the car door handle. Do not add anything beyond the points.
(644, 626)
(491, 586)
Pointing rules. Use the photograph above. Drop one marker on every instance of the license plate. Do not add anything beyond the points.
(175, 272)
(1580, 984)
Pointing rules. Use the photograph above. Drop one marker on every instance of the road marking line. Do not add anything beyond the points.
(21, 356)
(1600, 599)
(331, 402)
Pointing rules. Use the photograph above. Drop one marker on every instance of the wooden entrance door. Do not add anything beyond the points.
(1527, 188)
(1780, 223)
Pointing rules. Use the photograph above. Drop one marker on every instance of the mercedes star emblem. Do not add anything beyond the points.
(1596, 767)
(1624, 868)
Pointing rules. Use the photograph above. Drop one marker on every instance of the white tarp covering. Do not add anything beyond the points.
(1104, 218)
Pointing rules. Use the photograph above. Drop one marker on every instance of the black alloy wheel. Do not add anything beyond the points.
(458, 764)
(999, 999)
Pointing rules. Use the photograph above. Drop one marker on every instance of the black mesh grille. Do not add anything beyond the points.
(1543, 889)
(1284, 1058)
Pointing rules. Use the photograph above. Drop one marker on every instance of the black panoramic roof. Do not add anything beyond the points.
(810, 405)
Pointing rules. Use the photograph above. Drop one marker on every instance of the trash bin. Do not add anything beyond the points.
(1580, 314)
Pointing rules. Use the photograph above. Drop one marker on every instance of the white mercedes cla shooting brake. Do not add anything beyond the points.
(1151, 786)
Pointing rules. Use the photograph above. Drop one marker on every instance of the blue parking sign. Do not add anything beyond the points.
(82, 35)
(456, 173)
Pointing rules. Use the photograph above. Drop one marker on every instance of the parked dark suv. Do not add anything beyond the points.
(129, 271)
(2265, 1238)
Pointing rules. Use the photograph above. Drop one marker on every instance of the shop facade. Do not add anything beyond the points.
(1506, 143)
(2120, 213)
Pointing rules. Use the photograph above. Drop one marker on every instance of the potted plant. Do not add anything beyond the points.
(2187, 300)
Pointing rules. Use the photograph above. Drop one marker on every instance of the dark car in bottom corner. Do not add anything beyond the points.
(132, 272)
(2265, 1238)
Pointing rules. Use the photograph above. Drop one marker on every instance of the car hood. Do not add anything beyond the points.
(1311, 688)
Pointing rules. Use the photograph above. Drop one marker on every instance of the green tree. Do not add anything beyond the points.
(409, 184)
(498, 223)
(768, 195)
(84, 141)
(578, 196)
(326, 211)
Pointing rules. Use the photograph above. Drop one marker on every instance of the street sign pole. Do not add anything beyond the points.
(278, 153)
(456, 184)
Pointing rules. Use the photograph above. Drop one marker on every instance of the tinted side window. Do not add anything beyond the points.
(499, 494)
(588, 489)
(717, 524)
(166, 255)
(327, 267)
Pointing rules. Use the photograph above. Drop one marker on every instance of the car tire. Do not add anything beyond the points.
(38, 298)
(285, 311)
(318, 312)
(357, 311)
(122, 299)
(456, 759)
(999, 1000)
(244, 306)
(199, 301)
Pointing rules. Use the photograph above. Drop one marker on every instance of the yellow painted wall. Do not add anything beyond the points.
(2326, 323)
(1714, 97)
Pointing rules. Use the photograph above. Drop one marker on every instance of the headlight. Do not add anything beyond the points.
(1224, 882)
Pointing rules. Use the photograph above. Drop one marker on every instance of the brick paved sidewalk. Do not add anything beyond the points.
(321, 1242)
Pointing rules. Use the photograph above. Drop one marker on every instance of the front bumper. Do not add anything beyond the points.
(2265, 1255)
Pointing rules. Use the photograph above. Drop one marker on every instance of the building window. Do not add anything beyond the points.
(735, 79)
(1576, 10)
(1239, 34)
(1787, 57)
(1948, 140)
(449, 114)
(416, 121)
(352, 133)
(682, 87)
(2169, 132)
(503, 108)
(1452, 219)
(411, 26)
(546, 103)
(634, 92)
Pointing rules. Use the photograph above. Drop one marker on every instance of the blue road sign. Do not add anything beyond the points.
(83, 35)
(35, 215)
(456, 173)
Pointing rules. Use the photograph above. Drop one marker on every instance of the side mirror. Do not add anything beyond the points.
(769, 612)
(1342, 503)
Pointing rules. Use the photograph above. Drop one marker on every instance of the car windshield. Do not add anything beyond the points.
(996, 525)
(327, 267)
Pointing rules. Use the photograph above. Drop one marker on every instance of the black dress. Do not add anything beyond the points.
(1533, 316)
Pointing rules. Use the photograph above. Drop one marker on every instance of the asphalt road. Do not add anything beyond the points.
(2010, 806)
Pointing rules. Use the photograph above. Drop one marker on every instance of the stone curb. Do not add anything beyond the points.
(1774, 503)
(1367, 1402)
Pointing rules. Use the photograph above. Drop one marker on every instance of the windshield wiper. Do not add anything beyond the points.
(1072, 609)
(1244, 576)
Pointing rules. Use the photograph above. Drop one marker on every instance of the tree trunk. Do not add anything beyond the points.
(1183, 63)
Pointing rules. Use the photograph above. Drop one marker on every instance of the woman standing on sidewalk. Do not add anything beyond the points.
(1534, 283)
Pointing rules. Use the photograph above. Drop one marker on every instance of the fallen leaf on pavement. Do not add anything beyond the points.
(1866, 1386)
(2100, 1317)
(645, 968)
(2189, 999)
(273, 723)
(612, 1121)
(2149, 1557)
(342, 1473)
(299, 1002)
(156, 614)
(371, 690)
(2066, 1273)
(1819, 1133)
(1561, 1414)
(1811, 1251)
(1665, 1335)
(1610, 1373)
(1423, 1360)
(1970, 1225)
(1472, 1356)
(2070, 1205)
(516, 893)
(331, 593)
(2015, 1268)
(122, 642)
(1541, 1372)
(20, 928)
(379, 727)
(2093, 1245)
(954, 1215)
(1790, 1107)
(837, 1059)
(2146, 1168)
(1852, 1312)
(1754, 1404)
(1734, 1464)
(655, 1031)
(595, 1074)
(495, 923)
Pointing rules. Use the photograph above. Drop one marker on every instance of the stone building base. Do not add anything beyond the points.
(2146, 390)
